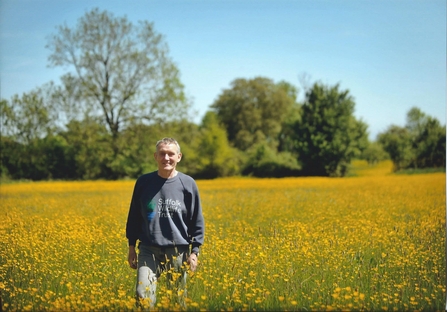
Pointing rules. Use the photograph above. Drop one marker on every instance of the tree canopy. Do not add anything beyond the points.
(121, 73)
(252, 110)
(419, 144)
(328, 136)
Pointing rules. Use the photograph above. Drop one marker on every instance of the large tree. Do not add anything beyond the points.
(252, 111)
(328, 136)
(121, 73)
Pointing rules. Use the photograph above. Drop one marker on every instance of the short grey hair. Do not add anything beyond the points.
(167, 141)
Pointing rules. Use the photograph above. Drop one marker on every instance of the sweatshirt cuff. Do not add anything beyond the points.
(195, 250)
(132, 242)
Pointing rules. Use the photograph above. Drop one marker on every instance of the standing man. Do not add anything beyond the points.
(165, 215)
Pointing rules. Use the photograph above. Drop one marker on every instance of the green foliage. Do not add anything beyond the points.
(374, 153)
(40, 159)
(215, 158)
(30, 149)
(263, 161)
(420, 144)
(50, 159)
(252, 111)
(396, 142)
(428, 139)
(137, 147)
(412, 171)
(30, 116)
(328, 136)
(89, 143)
(11, 153)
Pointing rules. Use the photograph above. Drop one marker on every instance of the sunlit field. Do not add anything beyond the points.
(373, 241)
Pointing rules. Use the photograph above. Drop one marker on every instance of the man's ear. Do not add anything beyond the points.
(179, 157)
(155, 155)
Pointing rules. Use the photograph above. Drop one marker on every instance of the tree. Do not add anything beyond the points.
(30, 116)
(328, 135)
(122, 73)
(430, 145)
(427, 139)
(285, 136)
(50, 158)
(252, 111)
(12, 157)
(215, 157)
(263, 161)
(89, 143)
(396, 141)
(39, 159)
(420, 144)
(374, 153)
(29, 149)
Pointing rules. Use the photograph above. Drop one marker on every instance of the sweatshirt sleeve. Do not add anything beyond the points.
(197, 225)
(134, 219)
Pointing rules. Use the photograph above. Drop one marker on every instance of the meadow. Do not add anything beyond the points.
(371, 242)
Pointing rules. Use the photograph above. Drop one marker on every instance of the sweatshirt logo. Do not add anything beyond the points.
(150, 210)
(167, 208)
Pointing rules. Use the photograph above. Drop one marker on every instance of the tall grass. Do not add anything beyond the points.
(371, 242)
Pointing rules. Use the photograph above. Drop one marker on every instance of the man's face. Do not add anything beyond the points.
(167, 157)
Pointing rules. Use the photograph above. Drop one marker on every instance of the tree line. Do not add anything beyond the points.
(123, 93)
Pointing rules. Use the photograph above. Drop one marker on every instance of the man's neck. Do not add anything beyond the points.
(167, 174)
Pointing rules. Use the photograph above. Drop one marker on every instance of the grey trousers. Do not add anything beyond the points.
(152, 261)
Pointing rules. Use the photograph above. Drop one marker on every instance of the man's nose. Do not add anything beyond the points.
(166, 157)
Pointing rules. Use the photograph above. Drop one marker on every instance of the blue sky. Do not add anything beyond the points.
(390, 55)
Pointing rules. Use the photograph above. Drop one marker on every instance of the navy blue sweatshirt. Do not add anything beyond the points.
(165, 212)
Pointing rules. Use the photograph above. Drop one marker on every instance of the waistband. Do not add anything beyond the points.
(180, 248)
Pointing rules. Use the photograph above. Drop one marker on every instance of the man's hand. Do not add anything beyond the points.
(192, 261)
(132, 257)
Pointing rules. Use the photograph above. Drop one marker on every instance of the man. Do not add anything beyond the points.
(165, 215)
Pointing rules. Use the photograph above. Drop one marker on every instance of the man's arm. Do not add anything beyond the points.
(132, 257)
(197, 225)
(133, 227)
